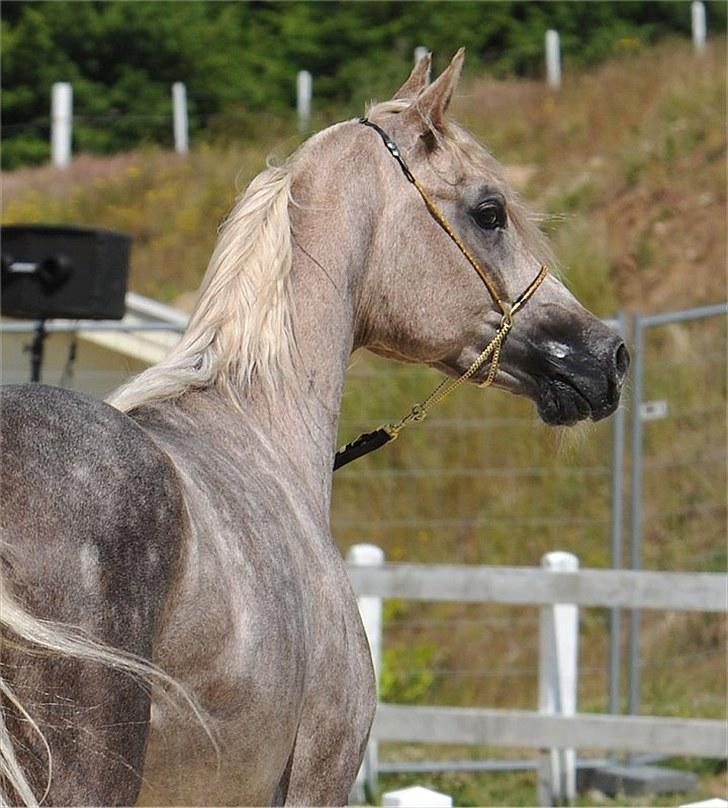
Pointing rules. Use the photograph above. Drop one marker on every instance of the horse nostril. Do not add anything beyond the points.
(621, 361)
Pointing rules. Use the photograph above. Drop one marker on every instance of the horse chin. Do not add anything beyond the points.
(561, 403)
(558, 401)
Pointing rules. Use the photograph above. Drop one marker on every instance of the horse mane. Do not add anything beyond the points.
(240, 329)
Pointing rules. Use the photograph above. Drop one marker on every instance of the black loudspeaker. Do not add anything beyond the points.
(78, 273)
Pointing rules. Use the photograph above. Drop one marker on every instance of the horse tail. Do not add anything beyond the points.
(16, 624)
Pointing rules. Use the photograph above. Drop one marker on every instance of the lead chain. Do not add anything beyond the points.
(447, 386)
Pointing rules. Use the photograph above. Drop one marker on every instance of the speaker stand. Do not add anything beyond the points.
(36, 350)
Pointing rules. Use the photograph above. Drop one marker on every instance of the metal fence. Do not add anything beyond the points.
(92, 356)
(484, 482)
(678, 382)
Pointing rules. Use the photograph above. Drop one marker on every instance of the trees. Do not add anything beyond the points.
(122, 57)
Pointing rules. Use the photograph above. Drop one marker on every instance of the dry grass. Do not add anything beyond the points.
(629, 159)
(636, 148)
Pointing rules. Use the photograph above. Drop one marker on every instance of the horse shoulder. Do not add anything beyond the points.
(87, 497)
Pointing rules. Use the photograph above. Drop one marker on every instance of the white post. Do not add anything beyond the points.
(179, 118)
(370, 609)
(416, 797)
(61, 120)
(420, 51)
(304, 93)
(699, 25)
(553, 60)
(557, 684)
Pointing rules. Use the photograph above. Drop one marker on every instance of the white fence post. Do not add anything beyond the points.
(420, 51)
(416, 797)
(61, 120)
(553, 60)
(304, 93)
(179, 118)
(699, 25)
(557, 684)
(370, 609)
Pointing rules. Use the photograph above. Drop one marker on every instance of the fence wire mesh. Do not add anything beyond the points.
(482, 481)
(681, 657)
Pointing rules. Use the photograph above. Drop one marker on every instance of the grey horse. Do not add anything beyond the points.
(178, 626)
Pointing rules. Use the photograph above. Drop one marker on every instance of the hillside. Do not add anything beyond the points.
(620, 176)
(628, 163)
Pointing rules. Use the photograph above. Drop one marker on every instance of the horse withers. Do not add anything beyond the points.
(178, 626)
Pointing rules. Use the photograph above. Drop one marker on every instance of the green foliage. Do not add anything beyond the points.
(238, 58)
(407, 675)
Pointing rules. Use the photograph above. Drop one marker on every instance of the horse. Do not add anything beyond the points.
(178, 625)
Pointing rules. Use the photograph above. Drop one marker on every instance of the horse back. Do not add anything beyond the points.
(92, 524)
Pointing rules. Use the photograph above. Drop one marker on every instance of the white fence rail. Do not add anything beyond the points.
(61, 123)
(532, 586)
(558, 680)
(304, 94)
(553, 59)
(180, 121)
(521, 728)
(558, 588)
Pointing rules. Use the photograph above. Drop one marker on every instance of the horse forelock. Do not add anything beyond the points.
(240, 329)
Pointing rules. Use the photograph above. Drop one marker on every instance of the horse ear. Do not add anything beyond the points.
(418, 79)
(434, 100)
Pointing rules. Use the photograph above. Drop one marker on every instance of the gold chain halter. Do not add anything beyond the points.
(374, 440)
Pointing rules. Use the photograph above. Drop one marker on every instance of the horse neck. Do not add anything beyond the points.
(304, 418)
(329, 253)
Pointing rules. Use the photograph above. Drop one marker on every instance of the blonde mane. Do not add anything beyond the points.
(240, 329)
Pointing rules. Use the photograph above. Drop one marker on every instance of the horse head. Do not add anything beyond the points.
(455, 253)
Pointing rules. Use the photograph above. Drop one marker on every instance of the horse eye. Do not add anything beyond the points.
(490, 214)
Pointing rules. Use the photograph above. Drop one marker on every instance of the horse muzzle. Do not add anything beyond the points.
(570, 378)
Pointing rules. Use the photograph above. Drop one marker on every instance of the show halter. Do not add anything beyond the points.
(371, 441)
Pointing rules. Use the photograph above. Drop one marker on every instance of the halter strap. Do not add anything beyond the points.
(370, 441)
